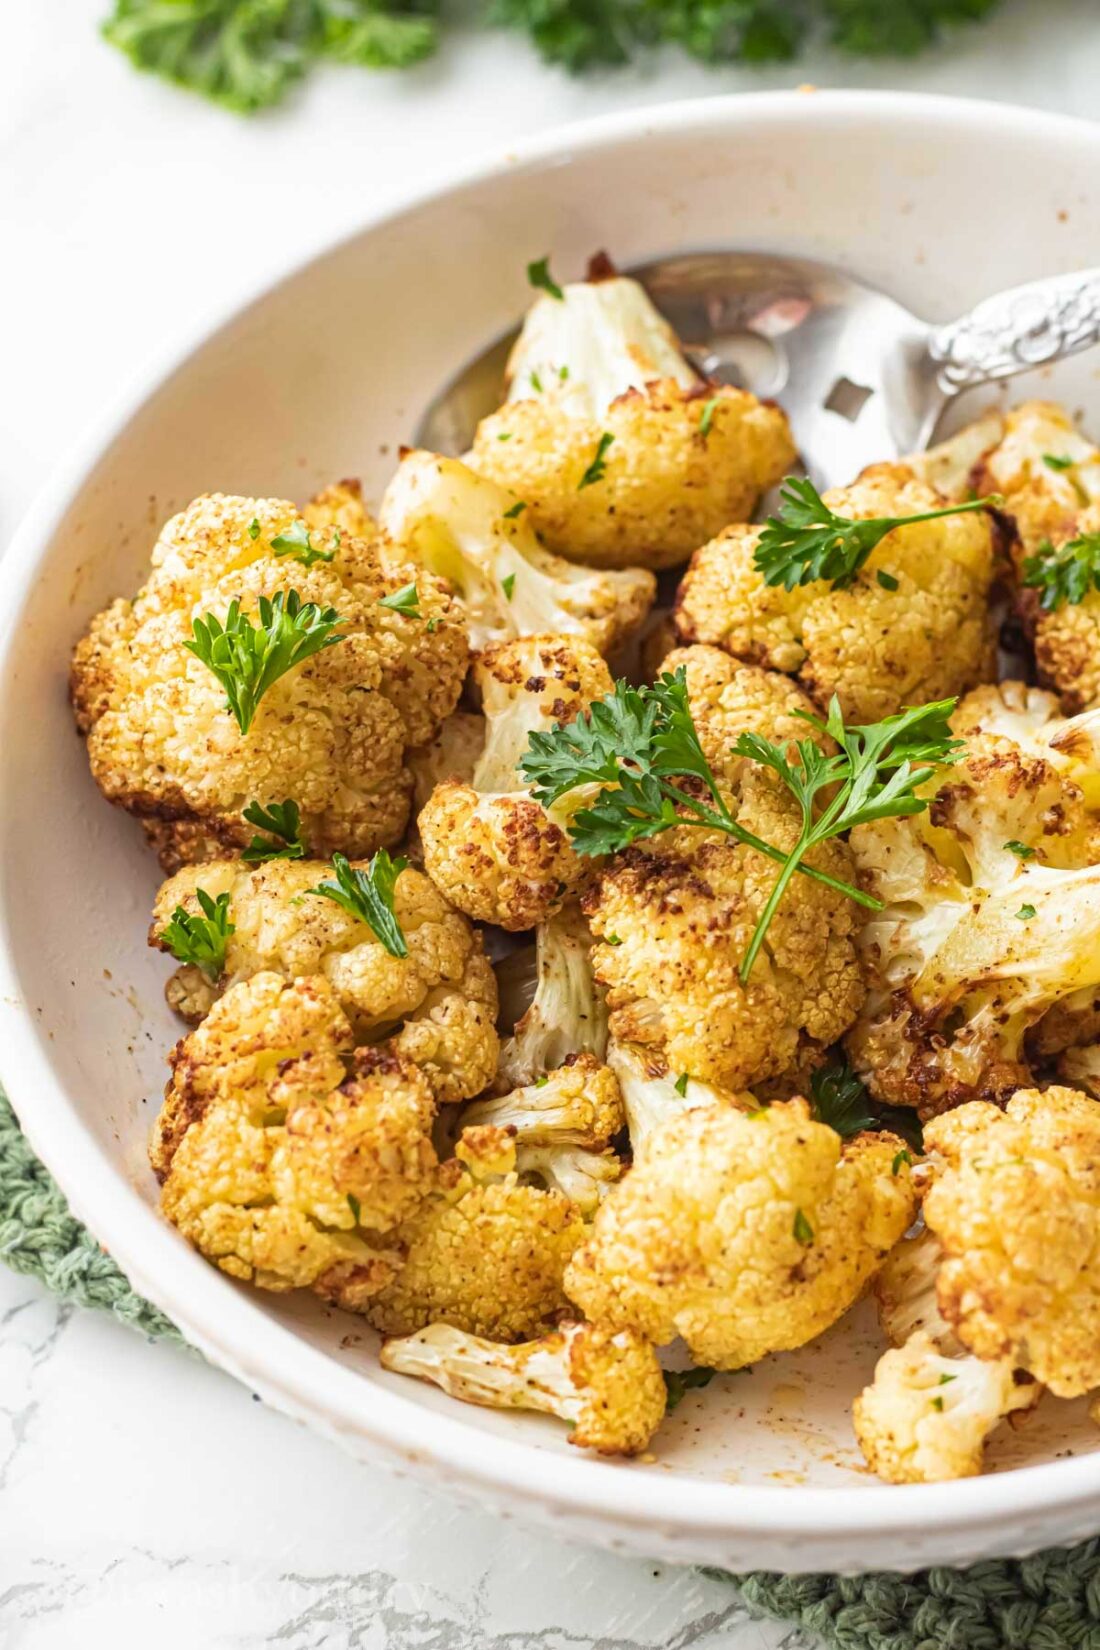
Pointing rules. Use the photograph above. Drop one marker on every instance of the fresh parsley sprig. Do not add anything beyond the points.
(368, 895)
(248, 659)
(405, 601)
(201, 940)
(539, 276)
(296, 542)
(1066, 575)
(284, 822)
(838, 1098)
(679, 1382)
(598, 467)
(808, 541)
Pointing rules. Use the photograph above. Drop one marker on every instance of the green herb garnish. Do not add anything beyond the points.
(681, 1084)
(538, 273)
(201, 940)
(283, 821)
(296, 542)
(254, 528)
(598, 467)
(1025, 913)
(886, 581)
(516, 510)
(508, 585)
(1020, 849)
(1066, 575)
(803, 1231)
(839, 1099)
(248, 659)
(405, 601)
(354, 1206)
(1054, 461)
(368, 895)
(679, 1382)
(706, 417)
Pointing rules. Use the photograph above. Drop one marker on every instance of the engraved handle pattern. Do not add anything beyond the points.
(1022, 328)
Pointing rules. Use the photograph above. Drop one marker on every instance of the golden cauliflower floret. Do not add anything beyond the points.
(549, 994)
(1016, 1208)
(905, 1292)
(454, 753)
(279, 1149)
(484, 1252)
(331, 732)
(437, 1004)
(673, 917)
(926, 1418)
(579, 1104)
(608, 1387)
(743, 1233)
(496, 853)
(926, 635)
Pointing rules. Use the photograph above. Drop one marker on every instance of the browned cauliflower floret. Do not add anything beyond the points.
(480, 538)
(485, 1252)
(652, 1096)
(743, 1233)
(925, 634)
(496, 853)
(1015, 1205)
(925, 1418)
(990, 919)
(621, 453)
(554, 1001)
(331, 732)
(279, 1149)
(453, 754)
(674, 916)
(437, 1005)
(609, 1387)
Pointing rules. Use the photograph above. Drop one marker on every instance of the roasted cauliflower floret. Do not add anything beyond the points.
(926, 1418)
(454, 753)
(922, 633)
(566, 1013)
(743, 1233)
(674, 916)
(651, 1097)
(331, 731)
(496, 853)
(437, 1004)
(484, 1252)
(1015, 1206)
(480, 537)
(905, 1292)
(609, 1387)
(991, 907)
(577, 1105)
(281, 1152)
(621, 453)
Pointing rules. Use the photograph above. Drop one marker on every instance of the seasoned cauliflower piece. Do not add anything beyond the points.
(743, 1233)
(484, 1252)
(651, 1097)
(609, 1387)
(925, 634)
(283, 1155)
(674, 916)
(926, 1418)
(583, 1174)
(481, 538)
(577, 1105)
(991, 907)
(621, 453)
(905, 1293)
(330, 732)
(454, 753)
(566, 1013)
(437, 1005)
(494, 852)
(1016, 1208)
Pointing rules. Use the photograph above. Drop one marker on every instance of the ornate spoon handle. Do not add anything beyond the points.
(1024, 327)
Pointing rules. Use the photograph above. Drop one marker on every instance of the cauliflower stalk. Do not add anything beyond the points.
(651, 1097)
(436, 1005)
(566, 1014)
(743, 1233)
(608, 1387)
(283, 1155)
(496, 853)
(331, 731)
(480, 538)
(912, 625)
(622, 454)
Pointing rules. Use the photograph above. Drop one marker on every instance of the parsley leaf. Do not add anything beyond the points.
(839, 1099)
(368, 895)
(681, 1084)
(201, 940)
(706, 417)
(808, 541)
(295, 542)
(538, 273)
(1054, 462)
(1020, 849)
(1025, 913)
(248, 659)
(516, 510)
(283, 820)
(508, 585)
(405, 601)
(803, 1231)
(679, 1382)
(598, 467)
(1066, 575)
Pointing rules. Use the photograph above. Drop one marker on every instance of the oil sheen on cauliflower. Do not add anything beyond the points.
(332, 732)
(991, 916)
(927, 635)
(925, 1418)
(673, 917)
(743, 1233)
(481, 538)
(494, 852)
(281, 1152)
(609, 1387)
(437, 1005)
(484, 1252)
(1016, 1208)
(621, 453)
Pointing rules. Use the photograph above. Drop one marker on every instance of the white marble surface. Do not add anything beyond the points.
(144, 1498)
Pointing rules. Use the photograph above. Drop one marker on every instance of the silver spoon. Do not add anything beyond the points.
(861, 378)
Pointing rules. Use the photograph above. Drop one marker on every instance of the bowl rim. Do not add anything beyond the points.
(216, 1315)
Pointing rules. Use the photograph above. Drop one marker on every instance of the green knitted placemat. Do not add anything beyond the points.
(1048, 1602)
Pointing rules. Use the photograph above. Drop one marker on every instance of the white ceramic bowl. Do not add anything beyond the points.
(938, 202)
